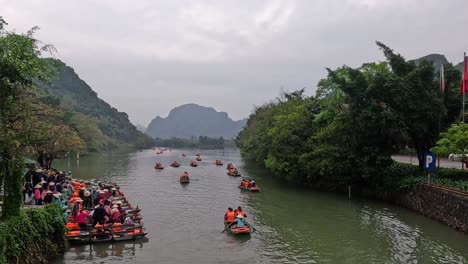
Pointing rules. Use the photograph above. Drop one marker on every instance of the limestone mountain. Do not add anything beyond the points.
(437, 59)
(99, 124)
(192, 120)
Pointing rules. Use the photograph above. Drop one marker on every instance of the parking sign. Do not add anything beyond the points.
(430, 161)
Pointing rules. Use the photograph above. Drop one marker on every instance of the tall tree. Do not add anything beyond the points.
(413, 93)
(20, 66)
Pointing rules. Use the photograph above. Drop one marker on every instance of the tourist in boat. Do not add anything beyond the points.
(115, 214)
(239, 221)
(99, 214)
(87, 200)
(253, 184)
(128, 221)
(229, 216)
(108, 210)
(76, 207)
(247, 183)
(80, 219)
(243, 182)
(239, 211)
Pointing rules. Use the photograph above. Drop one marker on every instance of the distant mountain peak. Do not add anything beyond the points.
(436, 59)
(191, 119)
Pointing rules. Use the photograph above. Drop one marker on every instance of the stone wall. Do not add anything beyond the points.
(440, 203)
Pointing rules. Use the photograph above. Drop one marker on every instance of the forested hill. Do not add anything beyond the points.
(192, 120)
(100, 125)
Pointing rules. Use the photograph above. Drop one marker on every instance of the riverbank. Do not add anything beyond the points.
(35, 236)
(445, 205)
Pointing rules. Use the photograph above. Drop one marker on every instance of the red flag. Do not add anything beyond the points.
(464, 84)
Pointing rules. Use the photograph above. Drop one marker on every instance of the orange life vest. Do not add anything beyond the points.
(99, 228)
(231, 216)
(70, 225)
(117, 227)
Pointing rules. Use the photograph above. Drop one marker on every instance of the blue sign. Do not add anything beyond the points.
(430, 161)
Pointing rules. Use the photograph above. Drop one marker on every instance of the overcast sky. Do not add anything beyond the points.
(145, 57)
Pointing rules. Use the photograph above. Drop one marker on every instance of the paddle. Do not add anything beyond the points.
(226, 227)
(253, 228)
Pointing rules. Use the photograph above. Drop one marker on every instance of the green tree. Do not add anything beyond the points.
(413, 93)
(20, 66)
(455, 140)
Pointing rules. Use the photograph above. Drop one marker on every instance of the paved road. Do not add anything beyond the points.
(444, 163)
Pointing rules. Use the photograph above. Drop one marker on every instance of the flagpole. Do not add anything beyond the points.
(463, 91)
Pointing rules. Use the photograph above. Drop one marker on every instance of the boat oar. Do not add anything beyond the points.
(226, 227)
(253, 228)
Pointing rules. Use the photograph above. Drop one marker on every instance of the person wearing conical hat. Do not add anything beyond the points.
(37, 194)
(56, 199)
(239, 222)
(87, 199)
(115, 213)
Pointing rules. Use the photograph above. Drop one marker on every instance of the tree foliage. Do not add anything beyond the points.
(347, 132)
(455, 140)
(28, 126)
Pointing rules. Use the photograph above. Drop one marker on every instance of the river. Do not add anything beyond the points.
(293, 225)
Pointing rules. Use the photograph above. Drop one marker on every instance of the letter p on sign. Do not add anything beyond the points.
(428, 159)
(429, 162)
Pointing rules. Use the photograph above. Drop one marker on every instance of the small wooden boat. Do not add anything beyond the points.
(198, 159)
(233, 229)
(193, 164)
(175, 164)
(129, 233)
(158, 166)
(101, 238)
(250, 189)
(183, 154)
(233, 174)
(77, 236)
(186, 180)
(218, 163)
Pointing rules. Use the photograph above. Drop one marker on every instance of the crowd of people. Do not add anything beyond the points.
(81, 206)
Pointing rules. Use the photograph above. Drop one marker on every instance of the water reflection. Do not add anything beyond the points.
(100, 253)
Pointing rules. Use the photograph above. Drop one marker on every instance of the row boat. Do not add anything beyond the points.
(233, 174)
(238, 230)
(250, 189)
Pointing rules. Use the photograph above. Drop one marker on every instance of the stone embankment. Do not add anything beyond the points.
(446, 205)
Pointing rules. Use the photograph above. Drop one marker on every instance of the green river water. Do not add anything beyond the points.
(293, 225)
